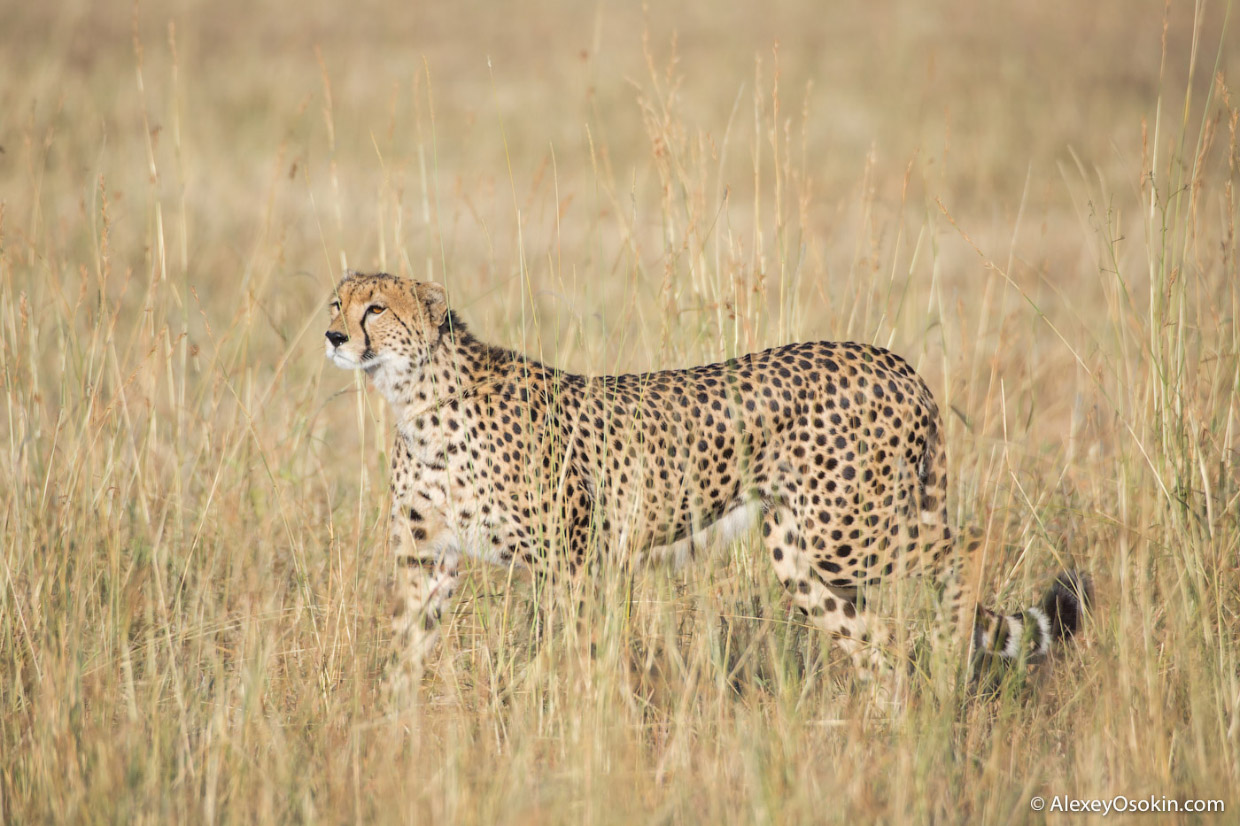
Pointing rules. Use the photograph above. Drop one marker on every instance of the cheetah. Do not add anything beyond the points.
(833, 449)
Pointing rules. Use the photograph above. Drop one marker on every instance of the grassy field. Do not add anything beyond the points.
(1035, 203)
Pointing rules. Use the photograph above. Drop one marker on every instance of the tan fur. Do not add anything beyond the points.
(836, 445)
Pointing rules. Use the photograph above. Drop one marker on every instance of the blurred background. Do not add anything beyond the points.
(1034, 202)
(465, 141)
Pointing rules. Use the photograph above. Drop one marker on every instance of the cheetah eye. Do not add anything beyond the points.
(334, 306)
(375, 309)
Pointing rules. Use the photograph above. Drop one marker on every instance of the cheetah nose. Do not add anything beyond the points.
(336, 338)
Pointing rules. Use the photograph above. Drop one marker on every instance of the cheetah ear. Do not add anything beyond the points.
(435, 300)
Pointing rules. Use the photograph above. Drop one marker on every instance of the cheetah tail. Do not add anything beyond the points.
(1031, 633)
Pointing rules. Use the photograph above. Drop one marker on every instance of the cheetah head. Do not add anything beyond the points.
(384, 324)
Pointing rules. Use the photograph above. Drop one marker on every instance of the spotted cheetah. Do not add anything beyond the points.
(834, 449)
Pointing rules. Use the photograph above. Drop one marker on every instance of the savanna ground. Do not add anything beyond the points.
(1035, 202)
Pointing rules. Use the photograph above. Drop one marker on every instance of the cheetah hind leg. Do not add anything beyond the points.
(955, 566)
(864, 638)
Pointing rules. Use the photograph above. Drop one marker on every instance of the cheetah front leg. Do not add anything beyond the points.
(426, 578)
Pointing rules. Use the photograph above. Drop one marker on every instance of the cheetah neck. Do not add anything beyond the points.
(460, 369)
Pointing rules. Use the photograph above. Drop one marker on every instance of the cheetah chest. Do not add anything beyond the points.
(440, 497)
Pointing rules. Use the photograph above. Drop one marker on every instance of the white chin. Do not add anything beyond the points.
(342, 361)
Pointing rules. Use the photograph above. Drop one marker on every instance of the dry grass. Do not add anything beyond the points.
(1036, 203)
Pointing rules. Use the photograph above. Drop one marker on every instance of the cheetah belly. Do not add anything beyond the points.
(733, 525)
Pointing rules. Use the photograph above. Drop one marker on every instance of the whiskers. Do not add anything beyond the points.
(370, 360)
